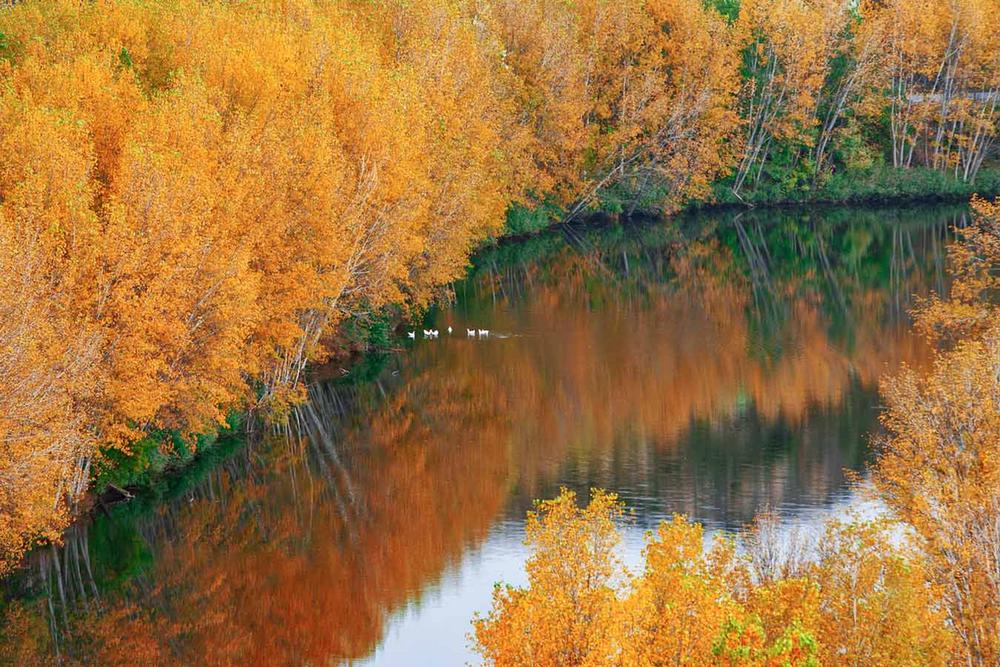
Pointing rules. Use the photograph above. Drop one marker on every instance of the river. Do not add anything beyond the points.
(710, 365)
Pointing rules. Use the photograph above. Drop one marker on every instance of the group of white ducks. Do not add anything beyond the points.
(433, 333)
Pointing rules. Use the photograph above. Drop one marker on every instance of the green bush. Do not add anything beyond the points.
(879, 184)
(523, 220)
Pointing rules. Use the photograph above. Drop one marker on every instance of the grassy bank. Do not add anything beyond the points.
(878, 186)
(881, 185)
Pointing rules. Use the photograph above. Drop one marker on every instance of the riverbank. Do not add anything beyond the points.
(362, 341)
(165, 455)
(180, 237)
(878, 187)
(884, 186)
(166, 452)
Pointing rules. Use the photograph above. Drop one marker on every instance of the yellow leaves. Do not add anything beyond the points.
(744, 643)
(566, 615)
(877, 605)
(684, 113)
(937, 81)
(198, 192)
(542, 46)
(44, 216)
(635, 93)
(973, 262)
(465, 148)
(196, 296)
(939, 464)
(194, 194)
(943, 426)
(863, 598)
(681, 600)
(787, 47)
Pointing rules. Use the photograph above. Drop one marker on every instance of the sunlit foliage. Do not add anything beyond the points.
(939, 464)
(862, 600)
(939, 80)
(192, 196)
(787, 47)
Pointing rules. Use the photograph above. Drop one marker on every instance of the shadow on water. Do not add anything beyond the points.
(710, 365)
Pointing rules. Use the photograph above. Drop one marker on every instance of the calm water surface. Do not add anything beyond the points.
(711, 367)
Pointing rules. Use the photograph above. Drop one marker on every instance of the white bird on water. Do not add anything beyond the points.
(428, 333)
(484, 332)
(411, 334)
(449, 329)
(470, 332)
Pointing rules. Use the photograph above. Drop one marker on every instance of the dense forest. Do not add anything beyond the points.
(195, 197)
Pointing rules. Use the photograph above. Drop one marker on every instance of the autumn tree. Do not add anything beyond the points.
(969, 310)
(859, 599)
(195, 196)
(876, 605)
(855, 51)
(202, 192)
(671, 105)
(939, 464)
(567, 614)
(786, 47)
(682, 610)
(48, 360)
(634, 95)
(941, 74)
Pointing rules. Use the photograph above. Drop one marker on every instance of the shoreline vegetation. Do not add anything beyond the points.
(201, 200)
(132, 476)
(880, 188)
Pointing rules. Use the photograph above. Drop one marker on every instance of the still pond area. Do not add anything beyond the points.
(710, 365)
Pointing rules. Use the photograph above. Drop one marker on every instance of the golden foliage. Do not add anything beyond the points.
(567, 614)
(636, 92)
(861, 601)
(939, 464)
(876, 606)
(969, 310)
(938, 77)
(193, 195)
(787, 47)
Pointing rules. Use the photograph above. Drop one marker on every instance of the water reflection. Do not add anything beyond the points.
(709, 367)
